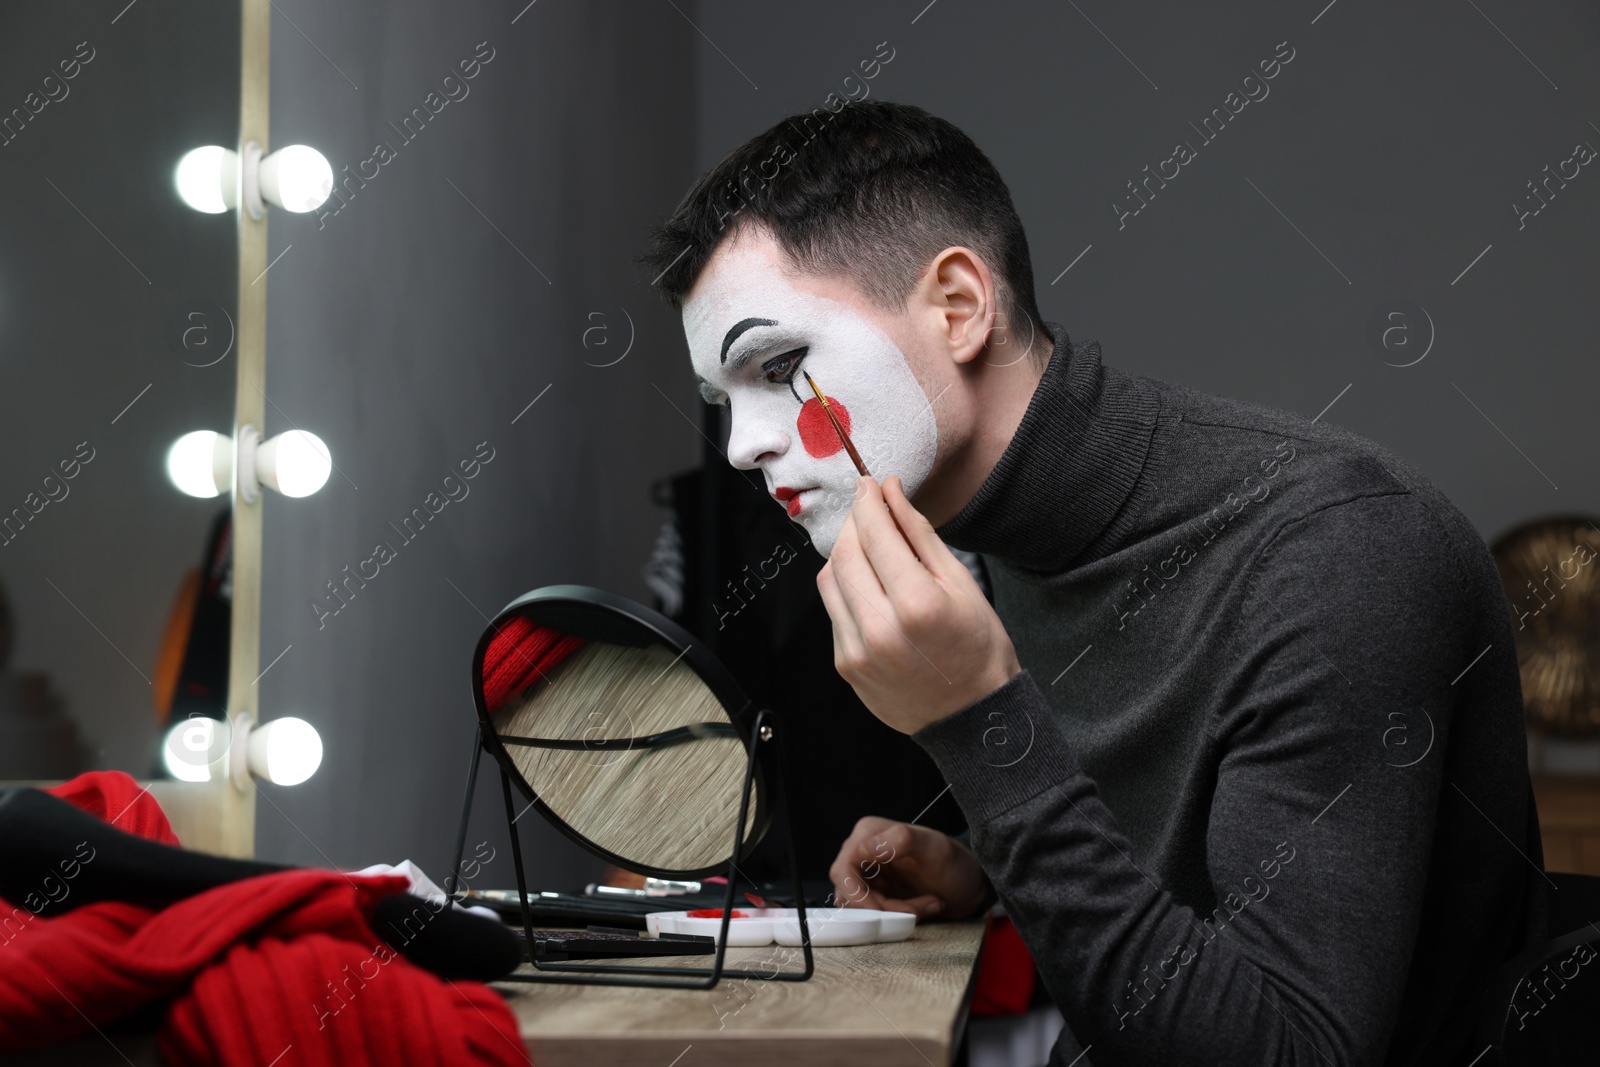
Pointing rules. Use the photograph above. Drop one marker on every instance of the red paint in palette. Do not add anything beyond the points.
(816, 432)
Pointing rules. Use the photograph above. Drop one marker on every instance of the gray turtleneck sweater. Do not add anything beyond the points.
(1260, 795)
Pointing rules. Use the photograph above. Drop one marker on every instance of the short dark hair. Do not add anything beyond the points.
(872, 191)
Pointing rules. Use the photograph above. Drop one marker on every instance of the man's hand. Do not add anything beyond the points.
(894, 866)
(912, 632)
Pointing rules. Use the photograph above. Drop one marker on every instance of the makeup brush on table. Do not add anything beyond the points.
(838, 428)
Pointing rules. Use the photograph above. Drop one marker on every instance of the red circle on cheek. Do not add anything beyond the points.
(816, 431)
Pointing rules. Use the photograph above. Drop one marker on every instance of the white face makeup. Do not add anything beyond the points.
(751, 333)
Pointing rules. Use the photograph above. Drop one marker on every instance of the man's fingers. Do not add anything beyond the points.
(870, 898)
(847, 879)
(923, 907)
(847, 865)
(918, 531)
(877, 868)
(847, 645)
(862, 847)
(885, 547)
(858, 583)
(926, 906)
(872, 859)
(848, 560)
(858, 894)
(884, 843)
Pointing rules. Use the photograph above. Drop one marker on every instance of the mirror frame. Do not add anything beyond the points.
(593, 610)
(227, 809)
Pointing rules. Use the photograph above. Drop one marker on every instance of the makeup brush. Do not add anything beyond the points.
(844, 438)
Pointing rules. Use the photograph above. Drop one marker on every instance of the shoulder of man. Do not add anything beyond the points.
(1313, 466)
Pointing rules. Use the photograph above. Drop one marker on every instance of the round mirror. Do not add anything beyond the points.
(626, 736)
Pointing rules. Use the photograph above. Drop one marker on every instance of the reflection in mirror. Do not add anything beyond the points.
(627, 746)
(116, 339)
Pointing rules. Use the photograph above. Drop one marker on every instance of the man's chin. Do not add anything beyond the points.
(824, 532)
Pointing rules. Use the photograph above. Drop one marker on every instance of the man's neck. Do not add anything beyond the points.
(1002, 388)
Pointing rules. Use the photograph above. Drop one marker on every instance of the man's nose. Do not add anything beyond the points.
(753, 441)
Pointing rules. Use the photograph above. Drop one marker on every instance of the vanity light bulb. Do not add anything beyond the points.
(206, 177)
(295, 463)
(285, 751)
(201, 463)
(193, 747)
(296, 178)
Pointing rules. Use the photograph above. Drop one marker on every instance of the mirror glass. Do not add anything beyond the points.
(116, 338)
(625, 744)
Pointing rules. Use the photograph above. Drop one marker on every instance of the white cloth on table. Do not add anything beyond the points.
(423, 886)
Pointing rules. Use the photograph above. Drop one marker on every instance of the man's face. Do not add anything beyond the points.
(753, 327)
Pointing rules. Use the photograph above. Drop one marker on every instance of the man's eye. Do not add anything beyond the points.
(780, 370)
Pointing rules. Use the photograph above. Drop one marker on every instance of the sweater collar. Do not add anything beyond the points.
(1073, 463)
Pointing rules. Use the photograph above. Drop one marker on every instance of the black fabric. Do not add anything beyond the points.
(453, 944)
(1576, 904)
(1261, 793)
(763, 618)
(1541, 1010)
(40, 832)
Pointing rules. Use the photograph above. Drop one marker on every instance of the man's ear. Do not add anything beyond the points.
(958, 289)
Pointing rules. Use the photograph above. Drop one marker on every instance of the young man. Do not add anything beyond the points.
(1240, 741)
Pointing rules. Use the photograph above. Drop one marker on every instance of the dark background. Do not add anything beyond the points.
(415, 324)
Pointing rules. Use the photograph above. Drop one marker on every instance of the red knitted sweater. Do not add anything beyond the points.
(279, 969)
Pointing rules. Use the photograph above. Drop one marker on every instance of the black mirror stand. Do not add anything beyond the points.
(762, 730)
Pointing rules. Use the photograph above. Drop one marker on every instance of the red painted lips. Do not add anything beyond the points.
(789, 498)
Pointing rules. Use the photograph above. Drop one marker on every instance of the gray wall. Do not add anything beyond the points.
(407, 329)
(1396, 141)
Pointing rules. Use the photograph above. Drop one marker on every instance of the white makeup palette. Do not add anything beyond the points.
(829, 927)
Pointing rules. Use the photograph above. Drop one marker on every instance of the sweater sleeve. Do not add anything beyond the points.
(1349, 626)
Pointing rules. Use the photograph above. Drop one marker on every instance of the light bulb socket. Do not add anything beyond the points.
(246, 480)
(239, 751)
(250, 181)
(279, 463)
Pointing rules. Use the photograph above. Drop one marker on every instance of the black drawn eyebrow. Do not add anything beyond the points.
(739, 328)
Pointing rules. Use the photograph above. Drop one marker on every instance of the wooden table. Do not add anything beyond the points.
(887, 1005)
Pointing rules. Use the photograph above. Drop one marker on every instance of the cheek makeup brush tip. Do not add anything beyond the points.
(844, 438)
